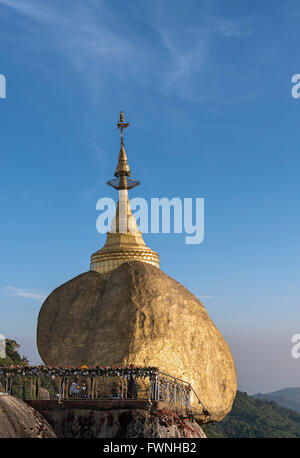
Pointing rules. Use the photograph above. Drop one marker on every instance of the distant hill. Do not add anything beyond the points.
(288, 397)
(252, 417)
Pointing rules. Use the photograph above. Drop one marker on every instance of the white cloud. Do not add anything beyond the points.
(190, 56)
(81, 35)
(186, 60)
(108, 57)
(229, 28)
(28, 293)
(29, 9)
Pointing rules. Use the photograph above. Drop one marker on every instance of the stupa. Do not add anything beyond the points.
(124, 241)
(125, 311)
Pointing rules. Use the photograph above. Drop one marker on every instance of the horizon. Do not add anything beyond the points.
(207, 90)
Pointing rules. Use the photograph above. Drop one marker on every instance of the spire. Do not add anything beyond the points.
(124, 241)
(122, 169)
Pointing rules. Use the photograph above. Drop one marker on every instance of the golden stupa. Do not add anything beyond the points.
(124, 241)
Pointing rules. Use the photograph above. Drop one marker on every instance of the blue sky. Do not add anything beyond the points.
(207, 89)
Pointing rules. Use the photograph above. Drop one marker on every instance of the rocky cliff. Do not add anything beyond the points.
(18, 420)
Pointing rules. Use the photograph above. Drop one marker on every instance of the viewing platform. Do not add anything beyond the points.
(100, 388)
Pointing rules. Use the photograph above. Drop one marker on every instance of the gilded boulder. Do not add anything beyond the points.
(138, 315)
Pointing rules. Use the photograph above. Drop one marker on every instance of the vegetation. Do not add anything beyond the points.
(288, 397)
(24, 387)
(12, 355)
(252, 417)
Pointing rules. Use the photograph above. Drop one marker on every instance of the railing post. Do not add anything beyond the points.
(96, 388)
(69, 382)
(125, 386)
(167, 389)
(36, 385)
(93, 387)
(61, 390)
(23, 392)
(189, 397)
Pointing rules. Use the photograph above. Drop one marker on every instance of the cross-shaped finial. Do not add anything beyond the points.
(122, 125)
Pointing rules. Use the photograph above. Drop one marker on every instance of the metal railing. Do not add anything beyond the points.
(100, 384)
(164, 387)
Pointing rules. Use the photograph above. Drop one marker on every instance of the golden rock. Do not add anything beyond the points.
(138, 315)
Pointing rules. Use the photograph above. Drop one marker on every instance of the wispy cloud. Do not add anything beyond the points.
(287, 301)
(227, 28)
(90, 45)
(190, 55)
(30, 9)
(186, 60)
(27, 293)
(106, 55)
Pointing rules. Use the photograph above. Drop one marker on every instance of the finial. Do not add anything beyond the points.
(122, 169)
(122, 125)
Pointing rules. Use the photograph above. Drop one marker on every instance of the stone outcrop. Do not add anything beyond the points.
(90, 419)
(138, 315)
(18, 420)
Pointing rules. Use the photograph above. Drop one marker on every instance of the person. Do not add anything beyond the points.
(131, 387)
(83, 391)
(115, 392)
(74, 389)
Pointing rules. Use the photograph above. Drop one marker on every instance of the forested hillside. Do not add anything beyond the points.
(252, 417)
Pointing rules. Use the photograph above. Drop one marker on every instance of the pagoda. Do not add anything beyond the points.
(124, 240)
